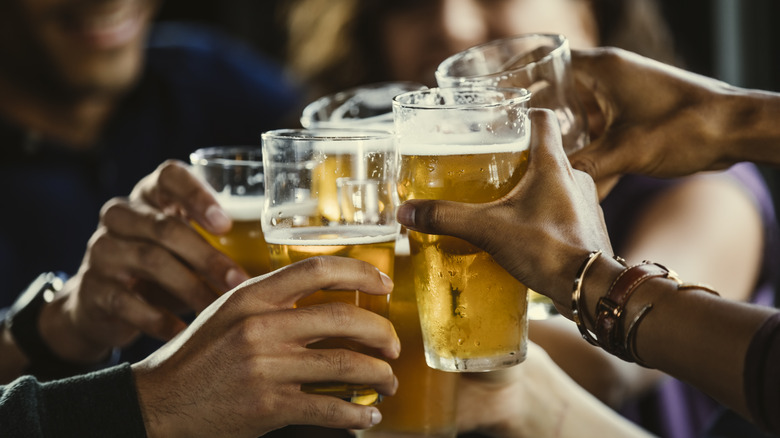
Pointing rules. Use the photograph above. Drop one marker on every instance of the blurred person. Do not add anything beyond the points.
(728, 349)
(689, 223)
(94, 97)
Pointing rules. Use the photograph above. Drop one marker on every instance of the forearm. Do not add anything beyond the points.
(747, 126)
(690, 334)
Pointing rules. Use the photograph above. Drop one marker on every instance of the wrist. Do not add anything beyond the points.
(63, 336)
(744, 126)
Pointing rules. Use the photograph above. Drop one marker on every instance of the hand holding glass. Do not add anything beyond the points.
(467, 145)
(332, 192)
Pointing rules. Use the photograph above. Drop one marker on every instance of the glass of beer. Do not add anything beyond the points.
(426, 400)
(332, 192)
(235, 173)
(425, 403)
(467, 145)
(540, 63)
(367, 106)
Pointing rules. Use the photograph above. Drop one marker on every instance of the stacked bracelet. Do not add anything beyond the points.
(610, 310)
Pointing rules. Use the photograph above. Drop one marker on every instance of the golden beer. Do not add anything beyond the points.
(425, 403)
(472, 312)
(244, 243)
(372, 244)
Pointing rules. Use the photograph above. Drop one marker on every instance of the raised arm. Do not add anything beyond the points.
(659, 120)
(546, 229)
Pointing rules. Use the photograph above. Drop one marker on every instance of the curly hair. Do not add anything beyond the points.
(335, 44)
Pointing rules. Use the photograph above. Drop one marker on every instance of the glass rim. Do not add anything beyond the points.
(561, 39)
(327, 134)
(522, 96)
(215, 156)
(310, 111)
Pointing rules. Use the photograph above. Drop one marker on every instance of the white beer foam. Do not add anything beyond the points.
(242, 208)
(411, 147)
(342, 235)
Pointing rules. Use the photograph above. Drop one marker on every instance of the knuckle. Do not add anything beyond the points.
(113, 211)
(342, 314)
(165, 227)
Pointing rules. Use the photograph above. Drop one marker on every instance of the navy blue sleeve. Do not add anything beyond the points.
(99, 404)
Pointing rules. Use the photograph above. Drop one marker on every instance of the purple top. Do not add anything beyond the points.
(675, 409)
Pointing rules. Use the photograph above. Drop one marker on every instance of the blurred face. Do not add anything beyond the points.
(421, 34)
(73, 47)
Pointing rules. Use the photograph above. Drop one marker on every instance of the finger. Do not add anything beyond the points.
(128, 259)
(347, 366)
(327, 411)
(112, 301)
(173, 185)
(311, 324)
(285, 286)
(139, 221)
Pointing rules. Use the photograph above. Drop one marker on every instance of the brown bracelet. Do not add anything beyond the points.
(629, 343)
(609, 309)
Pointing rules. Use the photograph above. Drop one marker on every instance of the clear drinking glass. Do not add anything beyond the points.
(467, 145)
(367, 106)
(235, 173)
(425, 403)
(540, 63)
(332, 192)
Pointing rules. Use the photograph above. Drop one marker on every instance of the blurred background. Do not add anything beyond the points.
(737, 41)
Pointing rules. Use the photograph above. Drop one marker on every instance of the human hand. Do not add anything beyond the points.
(541, 231)
(237, 369)
(654, 119)
(535, 398)
(143, 266)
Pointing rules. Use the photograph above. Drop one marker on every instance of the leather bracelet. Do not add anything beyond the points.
(629, 343)
(609, 309)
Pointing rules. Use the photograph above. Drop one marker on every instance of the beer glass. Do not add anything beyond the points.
(367, 106)
(235, 173)
(425, 403)
(332, 192)
(426, 400)
(467, 145)
(540, 63)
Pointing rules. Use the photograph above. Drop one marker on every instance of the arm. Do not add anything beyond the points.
(535, 399)
(235, 371)
(667, 107)
(717, 332)
(144, 266)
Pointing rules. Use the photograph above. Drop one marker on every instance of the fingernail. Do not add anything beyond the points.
(235, 277)
(386, 280)
(217, 218)
(405, 215)
(395, 383)
(376, 416)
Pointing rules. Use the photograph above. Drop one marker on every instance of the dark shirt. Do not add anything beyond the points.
(101, 404)
(199, 88)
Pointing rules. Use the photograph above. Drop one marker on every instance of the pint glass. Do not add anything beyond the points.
(235, 173)
(468, 145)
(425, 403)
(332, 192)
(540, 63)
(426, 400)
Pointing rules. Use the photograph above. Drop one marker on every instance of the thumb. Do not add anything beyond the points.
(441, 217)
